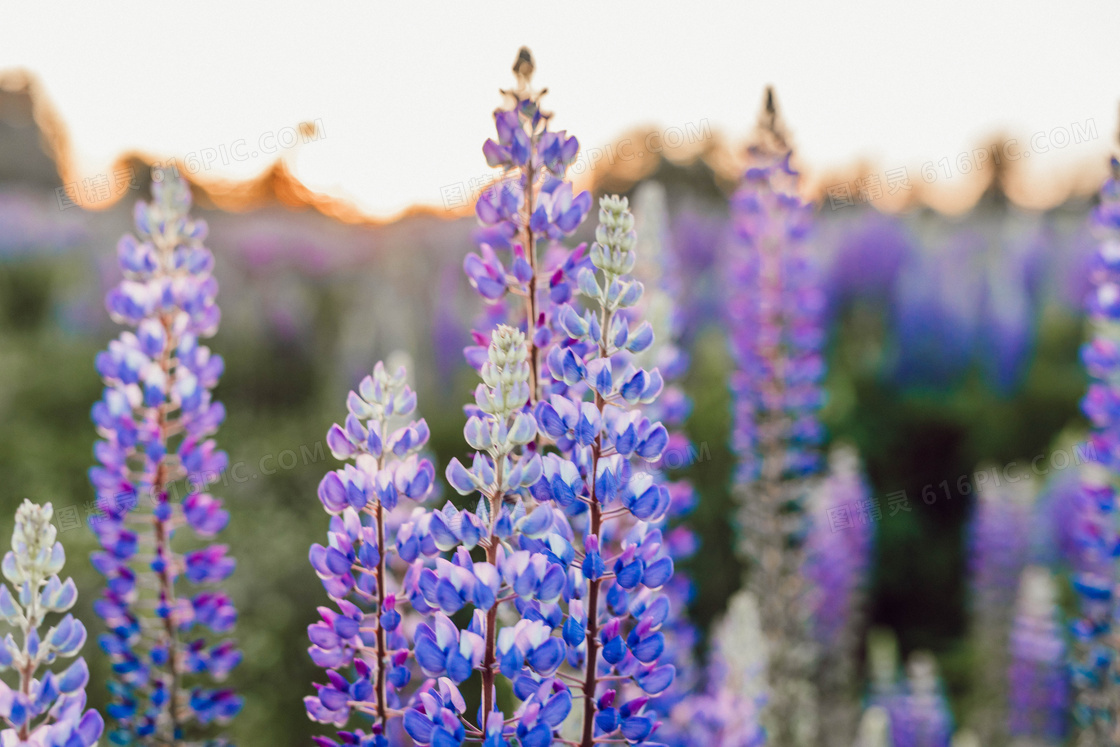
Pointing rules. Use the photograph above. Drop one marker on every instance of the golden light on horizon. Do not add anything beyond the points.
(399, 116)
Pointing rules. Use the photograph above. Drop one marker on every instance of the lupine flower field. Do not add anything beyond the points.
(687, 455)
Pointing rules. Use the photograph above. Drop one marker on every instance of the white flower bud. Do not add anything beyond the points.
(506, 373)
(613, 250)
(35, 554)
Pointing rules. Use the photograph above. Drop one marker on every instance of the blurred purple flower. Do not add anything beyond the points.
(155, 419)
(1038, 676)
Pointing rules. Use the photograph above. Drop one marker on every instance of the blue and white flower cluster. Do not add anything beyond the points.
(46, 708)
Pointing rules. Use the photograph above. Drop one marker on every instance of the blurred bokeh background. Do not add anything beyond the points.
(953, 343)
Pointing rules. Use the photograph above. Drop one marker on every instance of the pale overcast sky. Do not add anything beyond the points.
(404, 90)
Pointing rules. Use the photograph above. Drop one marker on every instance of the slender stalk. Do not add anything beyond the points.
(163, 548)
(777, 581)
(490, 657)
(26, 676)
(27, 672)
(531, 255)
(382, 647)
(382, 654)
(592, 671)
(589, 679)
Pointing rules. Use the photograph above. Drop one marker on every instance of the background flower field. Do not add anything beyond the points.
(952, 349)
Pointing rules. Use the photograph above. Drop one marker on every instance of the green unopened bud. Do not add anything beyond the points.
(506, 372)
(614, 212)
(613, 250)
(35, 553)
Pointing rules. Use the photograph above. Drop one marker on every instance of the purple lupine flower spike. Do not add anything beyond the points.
(594, 514)
(1038, 678)
(361, 641)
(155, 419)
(525, 215)
(837, 558)
(608, 496)
(774, 307)
(47, 708)
(568, 603)
(999, 539)
(523, 573)
(1095, 660)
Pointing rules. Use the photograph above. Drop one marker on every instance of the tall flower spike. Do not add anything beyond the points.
(837, 558)
(1095, 666)
(573, 356)
(607, 493)
(774, 306)
(155, 419)
(999, 540)
(48, 710)
(518, 573)
(525, 216)
(1038, 684)
(569, 596)
(362, 643)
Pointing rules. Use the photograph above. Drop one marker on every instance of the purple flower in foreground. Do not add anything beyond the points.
(575, 542)
(155, 419)
(361, 642)
(522, 263)
(568, 601)
(523, 571)
(601, 429)
(48, 710)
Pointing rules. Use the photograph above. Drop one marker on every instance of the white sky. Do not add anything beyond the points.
(404, 90)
